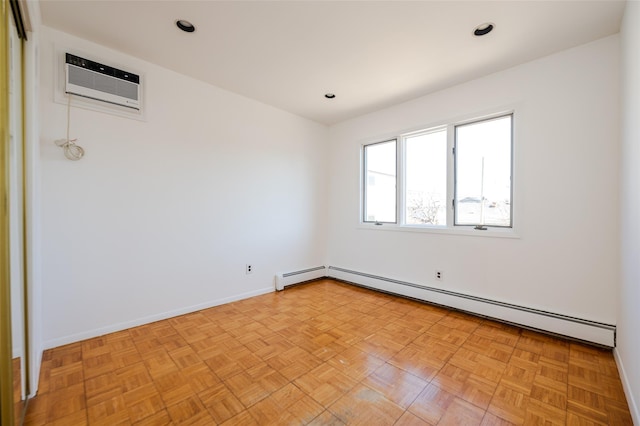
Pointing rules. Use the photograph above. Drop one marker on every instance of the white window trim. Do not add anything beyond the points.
(444, 230)
(450, 228)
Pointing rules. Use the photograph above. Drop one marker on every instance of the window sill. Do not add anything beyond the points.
(460, 231)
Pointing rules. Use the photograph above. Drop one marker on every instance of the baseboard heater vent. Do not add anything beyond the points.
(286, 279)
(576, 328)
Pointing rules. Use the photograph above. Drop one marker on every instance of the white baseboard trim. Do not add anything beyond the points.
(564, 325)
(628, 392)
(285, 279)
(149, 319)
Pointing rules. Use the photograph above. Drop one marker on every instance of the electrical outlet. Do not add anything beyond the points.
(249, 269)
(439, 275)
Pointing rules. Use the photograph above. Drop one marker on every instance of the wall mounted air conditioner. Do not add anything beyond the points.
(101, 82)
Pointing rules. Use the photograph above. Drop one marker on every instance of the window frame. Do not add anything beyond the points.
(481, 227)
(363, 176)
(400, 200)
(402, 195)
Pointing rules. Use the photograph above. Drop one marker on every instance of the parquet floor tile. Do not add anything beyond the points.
(461, 412)
(432, 403)
(381, 345)
(542, 413)
(97, 364)
(161, 418)
(364, 406)
(587, 404)
(395, 384)
(499, 333)
(125, 357)
(244, 418)
(77, 419)
(111, 411)
(173, 387)
(66, 401)
(294, 362)
(143, 402)
(66, 375)
(133, 376)
(410, 419)
(325, 384)
(288, 405)
(420, 362)
(355, 363)
(509, 404)
(255, 384)
(190, 411)
(519, 375)
(326, 419)
(493, 420)
(327, 353)
(100, 388)
(465, 385)
(221, 403)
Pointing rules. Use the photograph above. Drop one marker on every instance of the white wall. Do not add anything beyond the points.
(566, 200)
(161, 216)
(628, 350)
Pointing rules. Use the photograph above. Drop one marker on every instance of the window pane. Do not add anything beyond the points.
(483, 173)
(426, 178)
(380, 182)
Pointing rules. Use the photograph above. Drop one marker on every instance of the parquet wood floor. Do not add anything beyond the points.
(18, 402)
(327, 353)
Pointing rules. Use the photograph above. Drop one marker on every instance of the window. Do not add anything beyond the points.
(483, 173)
(425, 179)
(379, 161)
(458, 175)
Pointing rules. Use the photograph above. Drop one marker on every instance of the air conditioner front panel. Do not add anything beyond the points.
(96, 85)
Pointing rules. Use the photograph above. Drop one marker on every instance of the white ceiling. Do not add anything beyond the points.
(371, 54)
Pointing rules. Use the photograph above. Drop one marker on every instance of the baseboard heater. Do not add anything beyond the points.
(285, 279)
(572, 327)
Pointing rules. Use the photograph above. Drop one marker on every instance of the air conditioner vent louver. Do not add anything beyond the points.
(101, 82)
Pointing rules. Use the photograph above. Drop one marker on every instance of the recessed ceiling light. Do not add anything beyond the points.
(185, 26)
(483, 29)
(329, 95)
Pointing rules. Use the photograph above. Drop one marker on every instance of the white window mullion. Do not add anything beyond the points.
(450, 174)
(402, 176)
